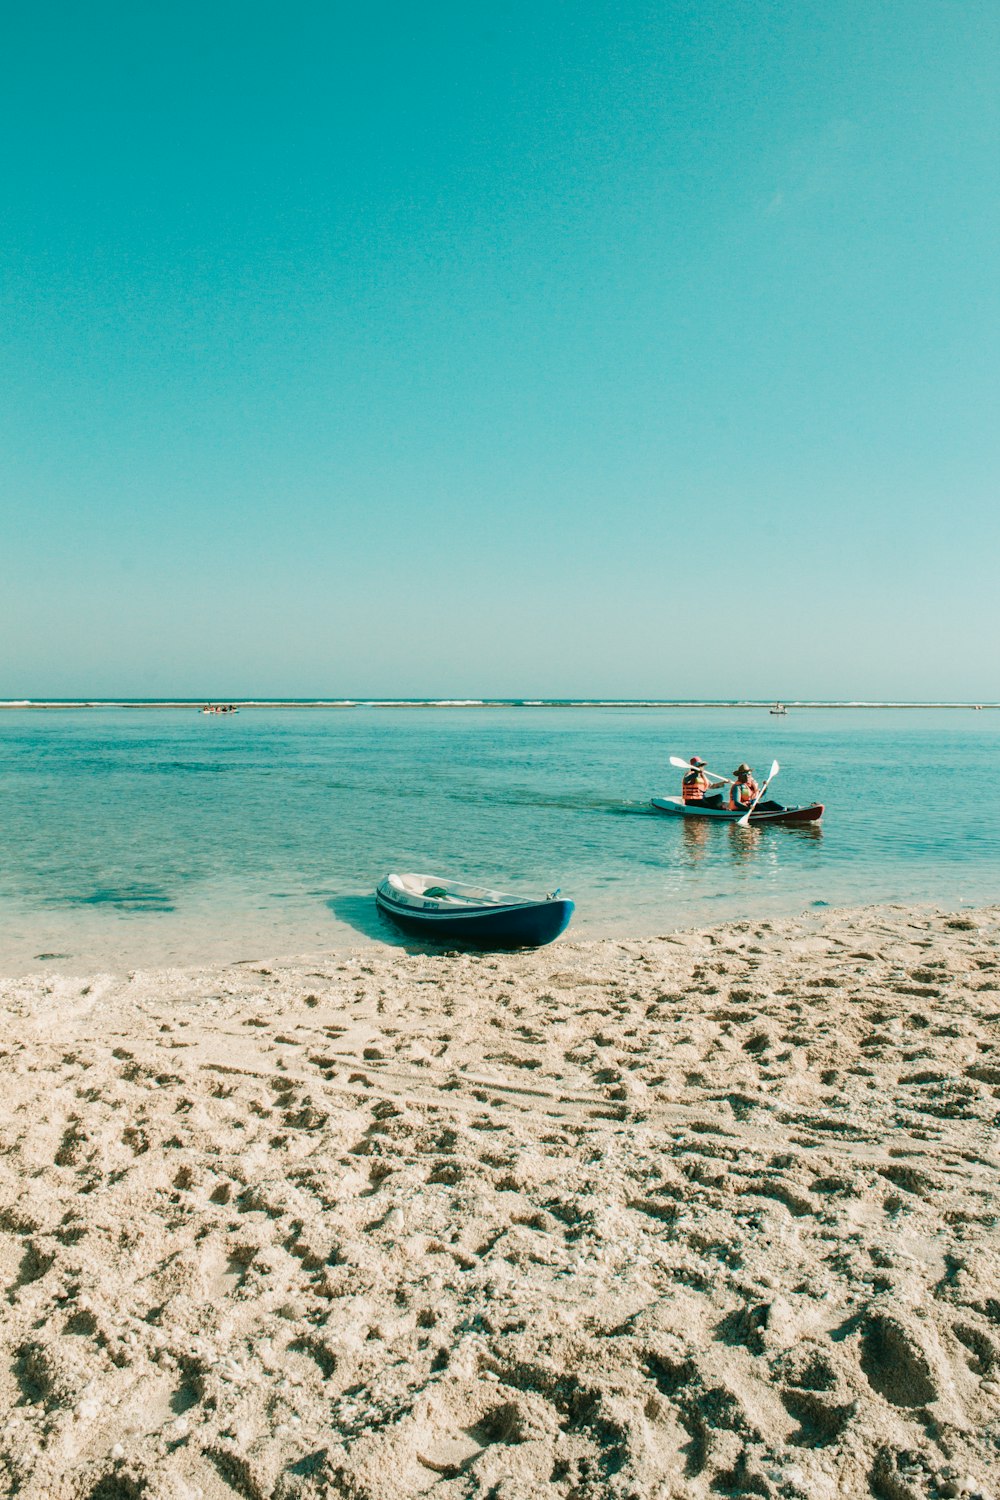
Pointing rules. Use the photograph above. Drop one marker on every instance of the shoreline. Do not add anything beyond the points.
(713, 1210)
(382, 942)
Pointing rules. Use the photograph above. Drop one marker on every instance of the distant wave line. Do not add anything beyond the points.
(682, 703)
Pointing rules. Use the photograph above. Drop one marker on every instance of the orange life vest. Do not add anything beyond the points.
(735, 801)
(693, 786)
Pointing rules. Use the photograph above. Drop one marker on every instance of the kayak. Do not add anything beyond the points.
(766, 812)
(437, 909)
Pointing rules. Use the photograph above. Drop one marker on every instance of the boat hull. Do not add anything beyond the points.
(519, 924)
(677, 808)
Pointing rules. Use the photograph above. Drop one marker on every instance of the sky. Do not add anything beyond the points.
(555, 349)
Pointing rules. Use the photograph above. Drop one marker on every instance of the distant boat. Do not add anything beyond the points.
(779, 708)
(438, 909)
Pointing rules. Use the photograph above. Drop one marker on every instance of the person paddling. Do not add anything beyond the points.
(743, 790)
(696, 783)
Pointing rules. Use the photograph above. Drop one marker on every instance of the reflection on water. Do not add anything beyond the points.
(695, 836)
(745, 843)
(701, 839)
(161, 836)
(807, 832)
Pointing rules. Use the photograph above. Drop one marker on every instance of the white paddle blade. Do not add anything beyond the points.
(687, 765)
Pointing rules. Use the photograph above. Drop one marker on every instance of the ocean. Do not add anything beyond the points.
(137, 837)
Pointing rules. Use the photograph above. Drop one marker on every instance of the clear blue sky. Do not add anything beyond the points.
(534, 349)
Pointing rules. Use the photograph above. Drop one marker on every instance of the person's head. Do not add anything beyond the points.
(742, 771)
(697, 762)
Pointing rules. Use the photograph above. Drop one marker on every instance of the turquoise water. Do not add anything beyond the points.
(137, 837)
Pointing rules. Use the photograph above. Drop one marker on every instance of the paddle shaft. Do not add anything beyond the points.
(685, 765)
(745, 820)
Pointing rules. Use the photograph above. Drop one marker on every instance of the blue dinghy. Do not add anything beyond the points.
(442, 910)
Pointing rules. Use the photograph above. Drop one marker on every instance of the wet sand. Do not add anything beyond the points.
(713, 1213)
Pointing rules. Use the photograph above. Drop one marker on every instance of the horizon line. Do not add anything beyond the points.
(771, 704)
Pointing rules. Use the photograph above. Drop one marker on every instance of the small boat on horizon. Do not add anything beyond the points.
(779, 708)
(439, 909)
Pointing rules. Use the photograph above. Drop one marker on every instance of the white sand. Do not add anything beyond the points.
(711, 1214)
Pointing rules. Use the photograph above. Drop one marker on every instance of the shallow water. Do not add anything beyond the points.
(138, 837)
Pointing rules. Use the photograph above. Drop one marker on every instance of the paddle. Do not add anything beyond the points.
(687, 765)
(744, 821)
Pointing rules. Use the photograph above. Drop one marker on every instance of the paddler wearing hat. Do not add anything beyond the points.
(744, 789)
(696, 783)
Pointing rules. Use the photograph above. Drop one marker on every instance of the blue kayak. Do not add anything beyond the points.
(441, 910)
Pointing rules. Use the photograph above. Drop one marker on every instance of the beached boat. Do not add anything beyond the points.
(445, 910)
(765, 812)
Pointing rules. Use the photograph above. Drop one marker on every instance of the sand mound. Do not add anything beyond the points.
(704, 1215)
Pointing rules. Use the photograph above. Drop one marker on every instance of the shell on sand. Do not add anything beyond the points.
(709, 1213)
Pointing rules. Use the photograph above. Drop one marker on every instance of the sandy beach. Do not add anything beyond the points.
(712, 1213)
